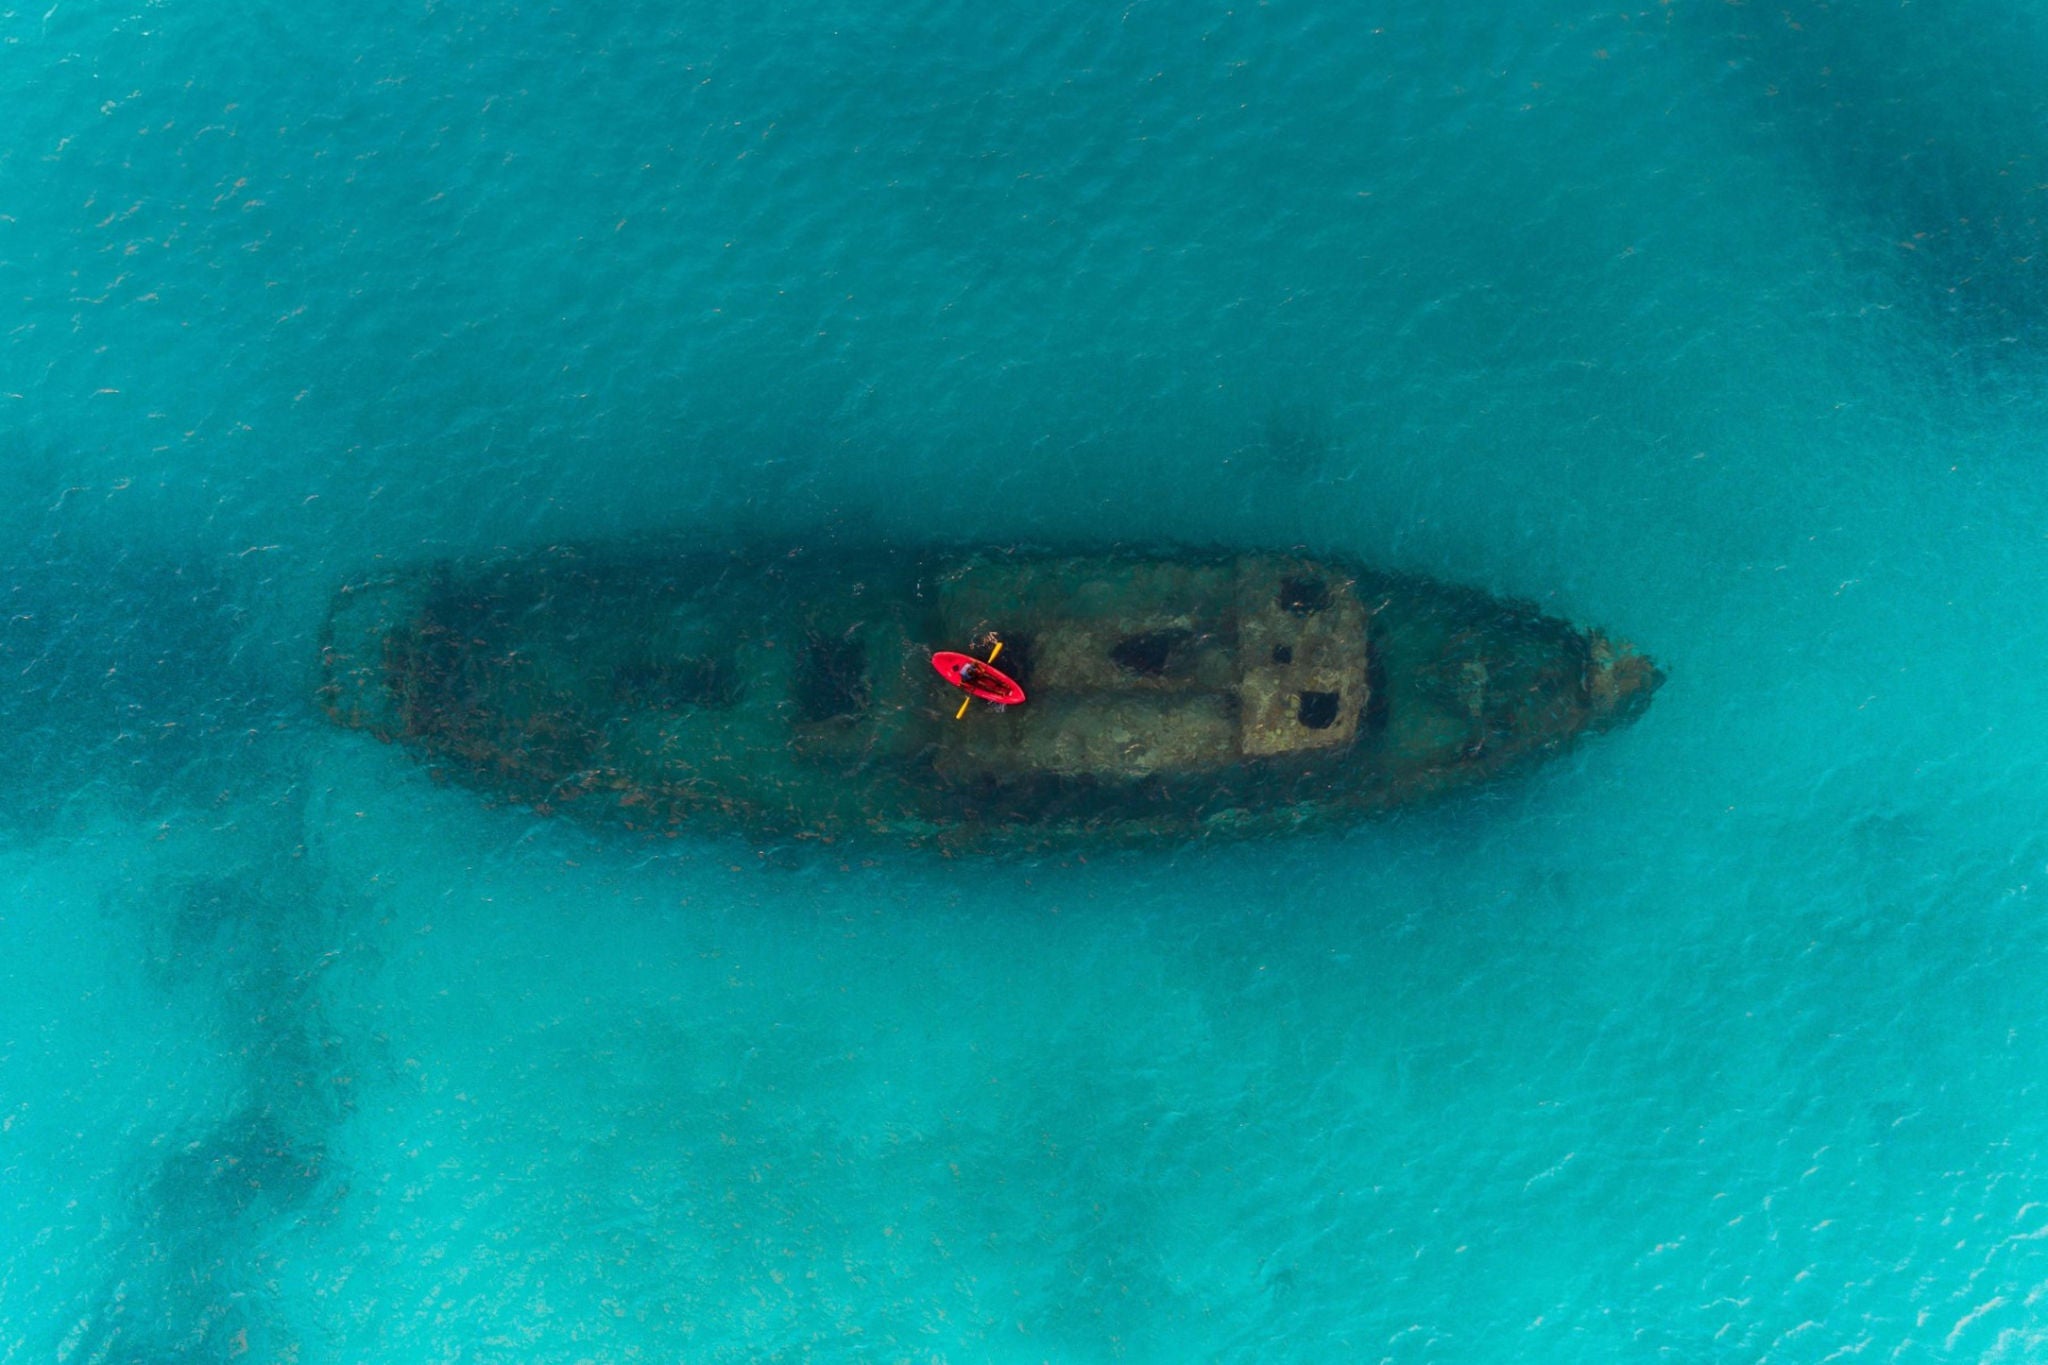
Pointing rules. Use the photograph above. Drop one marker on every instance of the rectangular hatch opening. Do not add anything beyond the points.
(1151, 655)
(1319, 710)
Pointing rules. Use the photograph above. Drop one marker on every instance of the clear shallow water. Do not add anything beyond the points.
(1718, 1040)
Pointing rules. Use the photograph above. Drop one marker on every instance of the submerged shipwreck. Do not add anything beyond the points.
(1167, 694)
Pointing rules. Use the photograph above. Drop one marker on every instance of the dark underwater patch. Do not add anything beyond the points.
(182, 1277)
(126, 682)
(213, 1208)
(1924, 128)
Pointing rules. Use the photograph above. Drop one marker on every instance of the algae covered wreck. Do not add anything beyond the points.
(1171, 694)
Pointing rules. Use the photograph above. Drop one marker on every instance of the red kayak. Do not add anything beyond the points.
(986, 681)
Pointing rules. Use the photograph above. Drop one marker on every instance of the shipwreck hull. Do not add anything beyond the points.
(1171, 694)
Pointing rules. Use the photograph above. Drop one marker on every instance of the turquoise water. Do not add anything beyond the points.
(1721, 1039)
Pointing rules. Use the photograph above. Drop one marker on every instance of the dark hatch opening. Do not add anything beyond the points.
(1149, 655)
(1319, 709)
(1304, 596)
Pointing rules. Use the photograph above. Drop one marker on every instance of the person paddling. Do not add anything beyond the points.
(978, 678)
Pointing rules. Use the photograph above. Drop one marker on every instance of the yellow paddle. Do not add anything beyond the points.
(964, 701)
